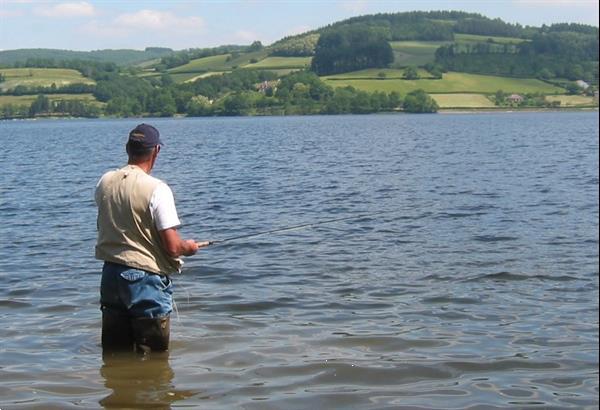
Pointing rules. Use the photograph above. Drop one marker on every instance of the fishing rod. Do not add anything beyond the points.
(295, 227)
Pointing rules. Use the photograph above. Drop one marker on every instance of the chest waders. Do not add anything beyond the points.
(121, 332)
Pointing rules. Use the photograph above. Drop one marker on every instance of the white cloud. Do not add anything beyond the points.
(158, 20)
(160, 28)
(74, 9)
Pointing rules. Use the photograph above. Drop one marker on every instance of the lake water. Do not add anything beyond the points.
(468, 279)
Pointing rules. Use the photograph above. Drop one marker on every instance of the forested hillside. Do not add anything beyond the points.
(24, 57)
(413, 62)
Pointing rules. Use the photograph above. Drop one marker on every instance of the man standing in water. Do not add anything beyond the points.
(140, 246)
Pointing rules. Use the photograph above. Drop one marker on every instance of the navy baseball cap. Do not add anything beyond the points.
(146, 135)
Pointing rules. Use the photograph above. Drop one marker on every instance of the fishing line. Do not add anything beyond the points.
(295, 227)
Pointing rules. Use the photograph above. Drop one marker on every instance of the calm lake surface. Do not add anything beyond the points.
(468, 279)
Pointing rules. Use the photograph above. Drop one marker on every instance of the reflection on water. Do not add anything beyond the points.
(139, 381)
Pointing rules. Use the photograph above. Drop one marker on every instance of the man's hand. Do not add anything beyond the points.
(190, 247)
(203, 244)
(176, 247)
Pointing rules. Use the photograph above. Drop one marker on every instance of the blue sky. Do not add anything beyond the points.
(96, 24)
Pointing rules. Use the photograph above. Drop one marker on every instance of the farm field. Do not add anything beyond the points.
(373, 74)
(414, 53)
(452, 82)
(281, 63)
(474, 38)
(462, 101)
(572, 100)
(28, 99)
(188, 78)
(212, 63)
(45, 77)
(246, 58)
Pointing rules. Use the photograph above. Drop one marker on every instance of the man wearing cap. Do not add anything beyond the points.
(140, 246)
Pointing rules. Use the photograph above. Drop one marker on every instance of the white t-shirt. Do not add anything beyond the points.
(162, 208)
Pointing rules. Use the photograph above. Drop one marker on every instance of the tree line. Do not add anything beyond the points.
(551, 54)
(241, 92)
(351, 48)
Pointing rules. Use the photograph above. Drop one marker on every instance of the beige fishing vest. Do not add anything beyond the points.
(126, 232)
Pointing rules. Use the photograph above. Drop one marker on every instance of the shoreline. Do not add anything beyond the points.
(505, 110)
(443, 111)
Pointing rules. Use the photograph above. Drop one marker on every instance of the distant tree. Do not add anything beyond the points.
(351, 48)
(436, 73)
(419, 102)
(573, 88)
(574, 72)
(255, 46)
(544, 74)
(499, 97)
(410, 73)
(296, 46)
(394, 100)
(199, 106)
(39, 106)
(166, 80)
(381, 75)
(236, 104)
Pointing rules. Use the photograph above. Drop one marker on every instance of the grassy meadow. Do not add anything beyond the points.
(573, 100)
(474, 38)
(45, 77)
(462, 101)
(224, 63)
(212, 63)
(26, 100)
(452, 82)
(277, 63)
(414, 53)
(374, 74)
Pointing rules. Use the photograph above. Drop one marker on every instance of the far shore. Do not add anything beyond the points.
(487, 110)
(506, 110)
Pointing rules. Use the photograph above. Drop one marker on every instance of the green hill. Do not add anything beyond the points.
(364, 64)
(450, 83)
(40, 77)
(120, 57)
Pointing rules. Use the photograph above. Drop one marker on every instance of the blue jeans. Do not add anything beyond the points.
(136, 293)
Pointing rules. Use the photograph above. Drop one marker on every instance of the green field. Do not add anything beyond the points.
(419, 53)
(28, 99)
(227, 62)
(276, 63)
(45, 77)
(194, 77)
(474, 38)
(452, 82)
(572, 100)
(414, 53)
(212, 63)
(462, 101)
(373, 74)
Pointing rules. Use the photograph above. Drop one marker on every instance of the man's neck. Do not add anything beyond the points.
(145, 166)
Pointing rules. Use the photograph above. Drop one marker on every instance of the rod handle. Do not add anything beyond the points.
(205, 244)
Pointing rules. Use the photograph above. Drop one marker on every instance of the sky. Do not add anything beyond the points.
(112, 24)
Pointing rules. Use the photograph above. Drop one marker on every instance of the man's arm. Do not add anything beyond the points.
(176, 247)
(162, 208)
